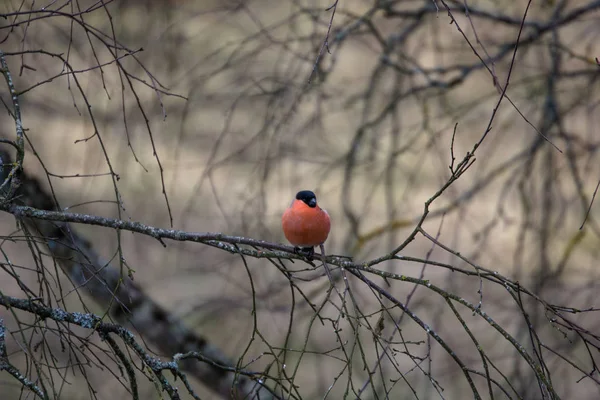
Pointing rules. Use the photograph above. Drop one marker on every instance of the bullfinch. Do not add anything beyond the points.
(305, 224)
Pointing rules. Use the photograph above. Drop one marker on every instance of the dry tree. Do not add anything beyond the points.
(453, 144)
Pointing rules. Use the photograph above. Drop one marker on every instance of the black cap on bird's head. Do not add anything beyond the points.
(307, 197)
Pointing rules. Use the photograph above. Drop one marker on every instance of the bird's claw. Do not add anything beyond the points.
(306, 252)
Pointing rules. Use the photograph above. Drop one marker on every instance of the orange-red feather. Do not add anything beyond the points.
(305, 226)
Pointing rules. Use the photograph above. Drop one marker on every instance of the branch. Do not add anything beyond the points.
(157, 233)
(5, 365)
(125, 301)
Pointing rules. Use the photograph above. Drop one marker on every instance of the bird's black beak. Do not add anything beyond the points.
(312, 202)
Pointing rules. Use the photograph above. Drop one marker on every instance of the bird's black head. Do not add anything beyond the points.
(307, 197)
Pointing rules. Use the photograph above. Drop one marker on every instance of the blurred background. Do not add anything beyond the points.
(213, 114)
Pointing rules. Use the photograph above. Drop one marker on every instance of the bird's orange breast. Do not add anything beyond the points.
(305, 226)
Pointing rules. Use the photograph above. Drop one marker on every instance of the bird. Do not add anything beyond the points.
(305, 224)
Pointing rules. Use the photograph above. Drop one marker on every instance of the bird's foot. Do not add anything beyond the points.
(306, 252)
